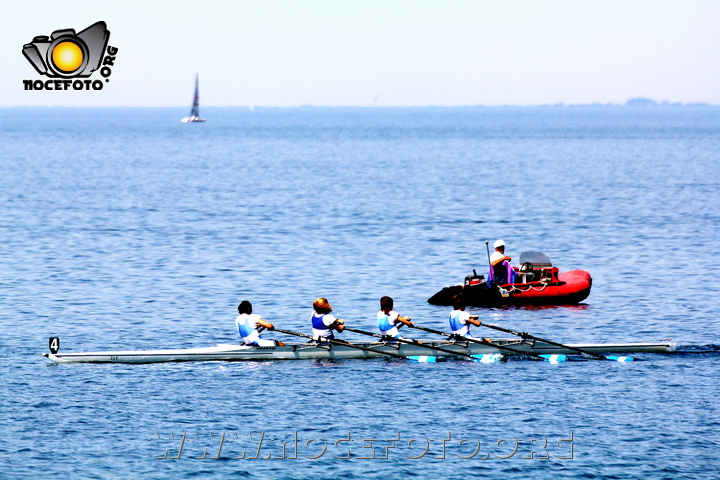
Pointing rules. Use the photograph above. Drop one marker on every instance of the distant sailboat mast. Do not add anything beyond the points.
(195, 110)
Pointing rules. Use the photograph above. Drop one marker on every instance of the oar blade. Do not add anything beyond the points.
(489, 357)
(425, 358)
(621, 359)
(555, 358)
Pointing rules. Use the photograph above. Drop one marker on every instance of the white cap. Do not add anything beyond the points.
(499, 243)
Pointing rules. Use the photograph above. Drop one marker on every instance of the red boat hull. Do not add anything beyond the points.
(567, 288)
(572, 287)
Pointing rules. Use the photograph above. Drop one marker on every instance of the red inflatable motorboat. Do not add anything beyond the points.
(537, 283)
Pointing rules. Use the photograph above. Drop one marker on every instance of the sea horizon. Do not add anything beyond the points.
(636, 103)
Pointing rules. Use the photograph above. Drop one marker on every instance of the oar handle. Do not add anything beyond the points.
(506, 330)
(288, 332)
(430, 330)
(363, 332)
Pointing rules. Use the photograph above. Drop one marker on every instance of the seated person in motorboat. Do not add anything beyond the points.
(501, 272)
(248, 323)
(460, 320)
(388, 319)
(323, 323)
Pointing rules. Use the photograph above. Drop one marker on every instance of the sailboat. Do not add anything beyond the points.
(195, 111)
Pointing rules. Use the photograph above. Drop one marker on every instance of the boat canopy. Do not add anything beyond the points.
(538, 259)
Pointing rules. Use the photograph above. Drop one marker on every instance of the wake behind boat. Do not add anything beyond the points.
(305, 351)
(195, 110)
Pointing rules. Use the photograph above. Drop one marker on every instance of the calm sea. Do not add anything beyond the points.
(125, 229)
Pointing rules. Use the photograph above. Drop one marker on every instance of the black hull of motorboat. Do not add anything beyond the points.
(482, 296)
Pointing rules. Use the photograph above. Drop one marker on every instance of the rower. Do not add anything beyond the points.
(460, 320)
(388, 319)
(247, 324)
(323, 323)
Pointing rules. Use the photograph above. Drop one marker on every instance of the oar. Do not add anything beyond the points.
(550, 358)
(410, 342)
(595, 356)
(340, 342)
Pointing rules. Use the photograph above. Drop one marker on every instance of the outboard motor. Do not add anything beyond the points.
(475, 279)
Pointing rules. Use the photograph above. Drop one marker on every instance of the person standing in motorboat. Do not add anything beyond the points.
(501, 272)
(247, 324)
(460, 320)
(323, 323)
(388, 319)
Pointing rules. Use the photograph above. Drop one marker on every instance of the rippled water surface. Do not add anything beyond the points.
(125, 229)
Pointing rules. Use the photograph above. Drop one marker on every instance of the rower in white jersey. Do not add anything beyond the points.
(460, 320)
(247, 324)
(388, 319)
(323, 323)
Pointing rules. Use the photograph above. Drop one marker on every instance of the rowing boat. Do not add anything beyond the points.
(301, 351)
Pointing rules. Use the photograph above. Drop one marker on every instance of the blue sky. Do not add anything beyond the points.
(380, 52)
